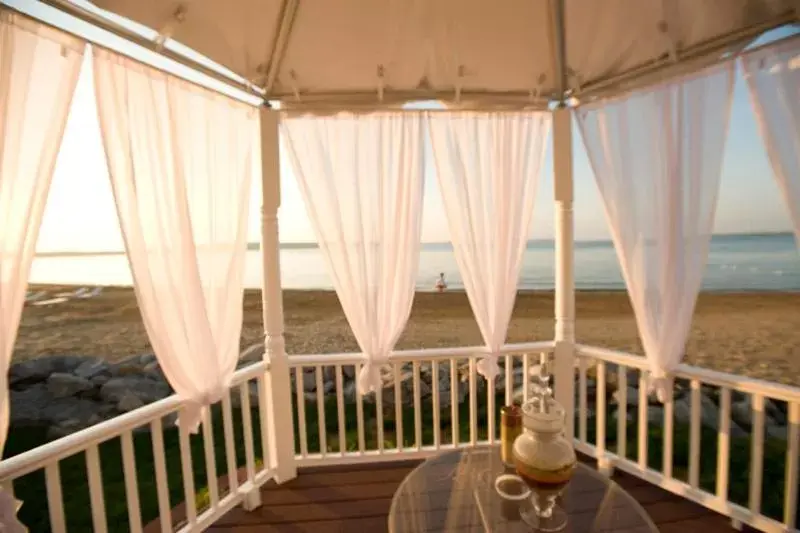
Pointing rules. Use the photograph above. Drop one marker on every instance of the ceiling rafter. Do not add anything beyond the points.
(288, 13)
(559, 30)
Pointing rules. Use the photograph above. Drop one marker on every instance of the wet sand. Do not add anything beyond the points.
(753, 334)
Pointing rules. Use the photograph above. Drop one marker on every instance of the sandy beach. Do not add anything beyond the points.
(753, 334)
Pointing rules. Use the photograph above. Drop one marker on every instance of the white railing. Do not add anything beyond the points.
(201, 509)
(694, 402)
(434, 382)
(434, 400)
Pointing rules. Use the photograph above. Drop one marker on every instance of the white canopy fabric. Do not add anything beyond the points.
(488, 166)
(773, 78)
(40, 67)
(350, 50)
(361, 178)
(657, 159)
(181, 160)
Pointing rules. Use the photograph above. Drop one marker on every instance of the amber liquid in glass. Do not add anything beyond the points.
(545, 482)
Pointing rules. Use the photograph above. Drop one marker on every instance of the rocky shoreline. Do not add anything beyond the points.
(68, 393)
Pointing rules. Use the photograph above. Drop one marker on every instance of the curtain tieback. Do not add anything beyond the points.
(194, 410)
(488, 367)
(369, 377)
(660, 383)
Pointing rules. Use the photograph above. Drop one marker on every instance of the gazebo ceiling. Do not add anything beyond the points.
(515, 51)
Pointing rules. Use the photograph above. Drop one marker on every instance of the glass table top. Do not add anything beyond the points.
(457, 491)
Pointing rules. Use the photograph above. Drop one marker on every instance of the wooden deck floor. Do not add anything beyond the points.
(357, 499)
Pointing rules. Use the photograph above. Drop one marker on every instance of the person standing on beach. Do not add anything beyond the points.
(441, 284)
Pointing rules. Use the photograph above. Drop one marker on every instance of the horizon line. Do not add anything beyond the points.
(255, 245)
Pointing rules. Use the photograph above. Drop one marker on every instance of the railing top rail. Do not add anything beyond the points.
(34, 459)
(428, 354)
(776, 391)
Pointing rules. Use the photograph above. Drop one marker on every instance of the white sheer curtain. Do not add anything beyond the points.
(488, 166)
(39, 69)
(181, 160)
(773, 77)
(657, 156)
(361, 178)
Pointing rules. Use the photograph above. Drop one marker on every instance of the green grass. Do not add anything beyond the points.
(31, 488)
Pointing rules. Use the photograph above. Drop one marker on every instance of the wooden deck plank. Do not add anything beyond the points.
(357, 498)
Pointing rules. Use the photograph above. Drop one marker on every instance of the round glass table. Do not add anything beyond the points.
(458, 491)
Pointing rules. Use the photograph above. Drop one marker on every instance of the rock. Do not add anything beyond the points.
(631, 400)
(36, 406)
(129, 402)
(26, 406)
(146, 390)
(309, 381)
(124, 369)
(91, 368)
(39, 369)
(682, 410)
(100, 380)
(628, 415)
(655, 415)
(236, 396)
(61, 385)
(153, 371)
(777, 432)
(251, 354)
(709, 413)
(350, 391)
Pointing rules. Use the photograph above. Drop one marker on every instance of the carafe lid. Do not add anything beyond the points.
(543, 413)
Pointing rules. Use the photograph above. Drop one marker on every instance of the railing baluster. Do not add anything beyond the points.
(723, 443)
(360, 412)
(473, 404)
(509, 379)
(162, 487)
(643, 430)
(622, 411)
(694, 435)
(55, 498)
(230, 449)
(211, 461)
(417, 406)
(757, 454)
(131, 485)
(322, 431)
(300, 398)
(247, 424)
(437, 423)
(600, 403)
(261, 389)
(340, 409)
(669, 427)
(454, 384)
(792, 454)
(582, 401)
(398, 407)
(99, 522)
(379, 422)
(490, 411)
(526, 379)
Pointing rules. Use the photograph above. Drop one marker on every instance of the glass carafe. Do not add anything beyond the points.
(545, 459)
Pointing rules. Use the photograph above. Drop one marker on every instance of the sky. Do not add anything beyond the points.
(80, 213)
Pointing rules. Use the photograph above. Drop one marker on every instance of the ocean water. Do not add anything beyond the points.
(735, 263)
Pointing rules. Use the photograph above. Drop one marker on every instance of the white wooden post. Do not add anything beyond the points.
(564, 371)
(280, 426)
